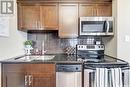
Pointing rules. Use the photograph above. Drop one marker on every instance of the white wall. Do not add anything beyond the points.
(111, 42)
(123, 26)
(117, 46)
(13, 45)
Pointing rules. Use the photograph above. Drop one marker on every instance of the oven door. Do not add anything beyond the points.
(89, 78)
(126, 77)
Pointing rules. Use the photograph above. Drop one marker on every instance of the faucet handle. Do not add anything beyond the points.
(37, 51)
(44, 51)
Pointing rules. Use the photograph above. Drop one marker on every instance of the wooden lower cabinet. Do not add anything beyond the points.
(13, 79)
(28, 75)
(42, 80)
(12, 75)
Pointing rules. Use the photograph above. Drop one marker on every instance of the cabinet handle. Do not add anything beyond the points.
(30, 79)
(26, 82)
(39, 25)
(6, 85)
(36, 24)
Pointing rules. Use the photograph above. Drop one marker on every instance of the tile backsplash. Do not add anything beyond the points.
(52, 44)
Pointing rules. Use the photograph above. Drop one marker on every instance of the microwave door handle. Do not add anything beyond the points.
(107, 30)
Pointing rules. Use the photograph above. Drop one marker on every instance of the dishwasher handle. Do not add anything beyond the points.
(69, 68)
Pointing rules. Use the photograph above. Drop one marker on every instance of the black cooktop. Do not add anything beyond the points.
(106, 61)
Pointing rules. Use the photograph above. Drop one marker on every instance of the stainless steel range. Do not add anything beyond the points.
(93, 55)
(90, 53)
(94, 59)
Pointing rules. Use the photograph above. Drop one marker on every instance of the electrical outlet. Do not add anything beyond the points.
(127, 38)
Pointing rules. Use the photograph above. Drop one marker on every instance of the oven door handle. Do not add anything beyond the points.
(88, 67)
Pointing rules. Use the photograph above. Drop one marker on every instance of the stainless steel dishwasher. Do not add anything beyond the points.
(68, 75)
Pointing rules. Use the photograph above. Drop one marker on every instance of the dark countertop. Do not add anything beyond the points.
(65, 59)
(58, 58)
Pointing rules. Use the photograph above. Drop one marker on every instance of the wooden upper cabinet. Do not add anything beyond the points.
(64, 1)
(68, 20)
(29, 17)
(104, 0)
(104, 9)
(87, 10)
(37, 1)
(40, 17)
(95, 9)
(49, 16)
(59, 16)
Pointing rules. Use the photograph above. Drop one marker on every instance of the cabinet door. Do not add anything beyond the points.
(39, 68)
(87, 10)
(49, 17)
(13, 75)
(40, 75)
(68, 20)
(13, 79)
(30, 17)
(42, 80)
(104, 9)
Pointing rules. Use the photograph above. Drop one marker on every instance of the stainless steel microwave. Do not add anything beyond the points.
(100, 26)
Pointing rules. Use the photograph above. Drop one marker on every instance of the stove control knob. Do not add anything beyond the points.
(76, 68)
(102, 47)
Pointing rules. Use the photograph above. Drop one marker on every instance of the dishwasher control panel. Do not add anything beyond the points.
(69, 68)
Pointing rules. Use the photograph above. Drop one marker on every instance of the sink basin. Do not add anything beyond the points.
(36, 58)
(45, 57)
